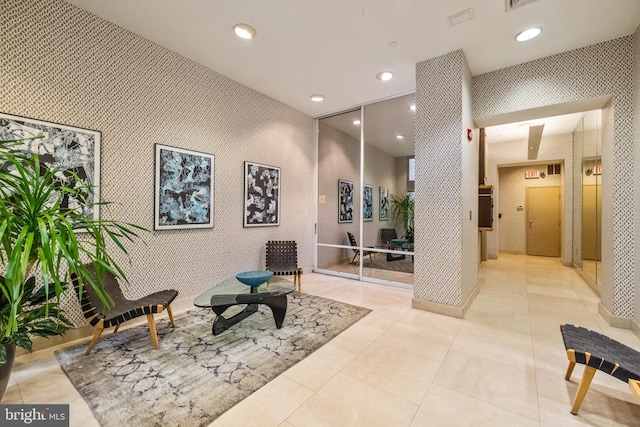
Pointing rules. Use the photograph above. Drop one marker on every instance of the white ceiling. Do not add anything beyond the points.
(556, 125)
(336, 47)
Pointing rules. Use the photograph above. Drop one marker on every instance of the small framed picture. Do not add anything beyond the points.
(384, 204)
(345, 201)
(261, 195)
(367, 202)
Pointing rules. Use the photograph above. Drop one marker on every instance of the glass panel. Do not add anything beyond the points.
(389, 130)
(588, 140)
(339, 187)
(339, 260)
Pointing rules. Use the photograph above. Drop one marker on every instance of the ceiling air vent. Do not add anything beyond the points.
(513, 4)
(460, 17)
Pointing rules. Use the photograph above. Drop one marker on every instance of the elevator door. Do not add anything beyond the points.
(543, 221)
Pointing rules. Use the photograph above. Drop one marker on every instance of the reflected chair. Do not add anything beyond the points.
(387, 235)
(123, 309)
(282, 259)
(356, 257)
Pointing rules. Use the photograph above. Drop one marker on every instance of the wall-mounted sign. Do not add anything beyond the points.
(532, 174)
(597, 170)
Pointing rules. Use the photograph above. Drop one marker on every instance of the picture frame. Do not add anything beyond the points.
(345, 201)
(367, 202)
(184, 188)
(73, 150)
(384, 204)
(261, 195)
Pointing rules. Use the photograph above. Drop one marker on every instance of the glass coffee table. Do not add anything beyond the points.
(232, 292)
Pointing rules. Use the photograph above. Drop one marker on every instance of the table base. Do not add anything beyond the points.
(277, 304)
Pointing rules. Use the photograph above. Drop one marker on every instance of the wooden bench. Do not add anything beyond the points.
(598, 352)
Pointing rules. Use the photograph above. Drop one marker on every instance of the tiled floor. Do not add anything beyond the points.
(503, 365)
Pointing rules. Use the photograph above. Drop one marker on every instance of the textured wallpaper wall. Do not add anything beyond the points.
(440, 194)
(64, 65)
(554, 148)
(604, 69)
(636, 158)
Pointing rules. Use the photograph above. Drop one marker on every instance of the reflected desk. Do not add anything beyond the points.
(232, 292)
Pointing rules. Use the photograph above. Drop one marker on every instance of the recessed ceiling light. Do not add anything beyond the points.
(528, 34)
(244, 31)
(317, 97)
(400, 136)
(384, 75)
(412, 107)
(356, 122)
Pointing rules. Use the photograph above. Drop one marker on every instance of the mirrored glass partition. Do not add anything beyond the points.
(588, 196)
(364, 190)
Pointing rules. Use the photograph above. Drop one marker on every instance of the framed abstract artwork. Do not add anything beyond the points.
(384, 204)
(184, 189)
(74, 151)
(367, 202)
(345, 201)
(261, 195)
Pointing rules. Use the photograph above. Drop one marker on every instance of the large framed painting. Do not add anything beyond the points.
(184, 188)
(345, 202)
(74, 151)
(384, 204)
(367, 202)
(261, 195)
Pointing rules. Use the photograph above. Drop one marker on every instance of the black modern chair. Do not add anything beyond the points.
(356, 256)
(123, 309)
(282, 260)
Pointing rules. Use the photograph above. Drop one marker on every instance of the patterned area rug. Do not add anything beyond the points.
(405, 265)
(194, 377)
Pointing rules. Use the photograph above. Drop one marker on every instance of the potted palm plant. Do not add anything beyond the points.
(41, 238)
(402, 208)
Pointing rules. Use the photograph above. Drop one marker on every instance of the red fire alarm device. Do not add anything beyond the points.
(469, 134)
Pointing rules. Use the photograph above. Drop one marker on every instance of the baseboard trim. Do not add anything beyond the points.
(635, 328)
(615, 321)
(446, 309)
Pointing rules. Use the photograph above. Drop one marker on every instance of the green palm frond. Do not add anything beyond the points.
(38, 234)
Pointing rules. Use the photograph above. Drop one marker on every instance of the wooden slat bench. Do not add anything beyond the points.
(597, 352)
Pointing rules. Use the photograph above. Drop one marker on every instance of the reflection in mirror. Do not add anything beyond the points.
(389, 149)
(385, 253)
(588, 136)
(338, 187)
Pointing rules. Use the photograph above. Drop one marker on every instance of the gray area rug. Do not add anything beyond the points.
(194, 377)
(404, 265)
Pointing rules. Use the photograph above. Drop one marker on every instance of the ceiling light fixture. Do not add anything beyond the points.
(528, 34)
(412, 107)
(400, 137)
(317, 97)
(244, 31)
(384, 75)
(356, 122)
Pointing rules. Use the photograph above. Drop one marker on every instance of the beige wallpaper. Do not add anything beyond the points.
(445, 249)
(636, 157)
(64, 65)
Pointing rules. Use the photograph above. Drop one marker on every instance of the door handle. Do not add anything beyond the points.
(530, 222)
